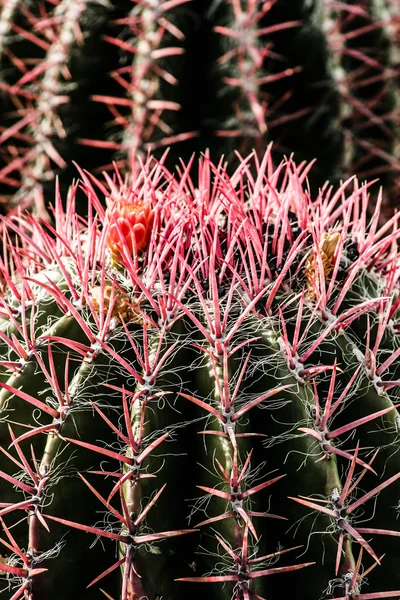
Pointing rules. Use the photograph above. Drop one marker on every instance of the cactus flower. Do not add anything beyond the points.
(131, 223)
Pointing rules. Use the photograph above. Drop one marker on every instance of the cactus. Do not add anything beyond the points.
(98, 81)
(199, 388)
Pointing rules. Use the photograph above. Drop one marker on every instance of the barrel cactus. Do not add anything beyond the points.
(97, 81)
(199, 390)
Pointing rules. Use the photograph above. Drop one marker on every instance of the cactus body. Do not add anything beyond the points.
(186, 400)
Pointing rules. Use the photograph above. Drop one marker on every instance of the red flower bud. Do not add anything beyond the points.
(131, 225)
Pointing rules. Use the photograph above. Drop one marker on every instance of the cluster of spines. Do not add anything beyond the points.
(207, 267)
(138, 110)
(362, 40)
(36, 88)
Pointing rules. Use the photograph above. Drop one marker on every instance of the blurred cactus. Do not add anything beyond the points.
(96, 81)
(195, 381)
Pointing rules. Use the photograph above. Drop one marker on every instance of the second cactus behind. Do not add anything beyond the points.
(96, 82)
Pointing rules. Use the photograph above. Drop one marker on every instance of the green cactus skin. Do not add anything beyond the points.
(97, 81)
(196, 381)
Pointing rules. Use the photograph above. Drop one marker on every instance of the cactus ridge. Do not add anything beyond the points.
(186, 399)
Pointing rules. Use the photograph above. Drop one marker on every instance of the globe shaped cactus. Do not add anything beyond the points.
(199, 389)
